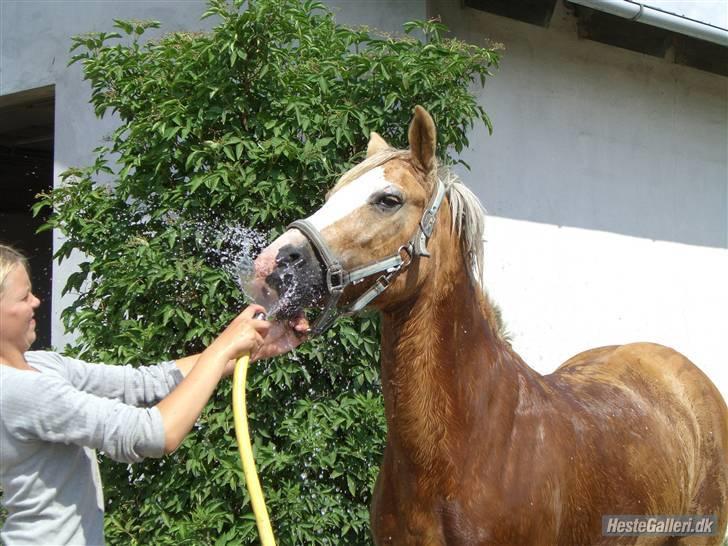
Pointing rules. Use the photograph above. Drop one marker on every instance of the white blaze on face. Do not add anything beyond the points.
(354, 195)
(344, 202)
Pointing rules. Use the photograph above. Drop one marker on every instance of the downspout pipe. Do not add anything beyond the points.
(635, 11)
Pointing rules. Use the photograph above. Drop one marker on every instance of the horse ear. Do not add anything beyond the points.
(376, 144)
(423, 138)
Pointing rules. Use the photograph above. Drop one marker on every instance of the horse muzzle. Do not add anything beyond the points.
(288, 276)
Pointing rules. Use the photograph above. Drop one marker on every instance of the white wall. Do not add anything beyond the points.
(607, 187)
(563, 290)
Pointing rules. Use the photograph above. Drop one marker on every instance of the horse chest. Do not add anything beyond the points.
(467, 519)
(410, 525)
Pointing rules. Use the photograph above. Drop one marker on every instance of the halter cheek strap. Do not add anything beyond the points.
(338, 278)
(427, 222)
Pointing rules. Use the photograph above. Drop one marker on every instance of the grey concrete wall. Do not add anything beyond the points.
(35, 38)
(593, 136)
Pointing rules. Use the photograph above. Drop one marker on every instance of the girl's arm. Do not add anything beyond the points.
(186, 363)
(136, 386)
(147, 385)
(181, 408)
(48, 406)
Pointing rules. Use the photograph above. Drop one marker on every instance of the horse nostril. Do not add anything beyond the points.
(289, 256)
(288, 259)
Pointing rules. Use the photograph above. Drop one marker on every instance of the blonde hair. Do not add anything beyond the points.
(9, 258)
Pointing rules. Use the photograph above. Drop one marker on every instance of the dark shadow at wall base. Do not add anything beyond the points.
(26, 169)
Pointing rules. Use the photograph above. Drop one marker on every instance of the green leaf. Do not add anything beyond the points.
(244, 126)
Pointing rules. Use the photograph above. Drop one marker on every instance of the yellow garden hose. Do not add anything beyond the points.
(242, 434)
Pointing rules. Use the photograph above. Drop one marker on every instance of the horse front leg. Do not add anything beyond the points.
(382, 519)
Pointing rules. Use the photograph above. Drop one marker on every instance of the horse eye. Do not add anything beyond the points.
(388, 201)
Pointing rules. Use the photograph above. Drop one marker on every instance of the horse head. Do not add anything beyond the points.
(373, 240)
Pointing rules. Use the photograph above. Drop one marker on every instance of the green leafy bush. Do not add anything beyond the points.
(245, 126)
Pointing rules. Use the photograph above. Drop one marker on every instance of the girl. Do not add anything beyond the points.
(55, 411)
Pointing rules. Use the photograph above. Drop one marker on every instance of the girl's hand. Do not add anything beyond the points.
(244, 335)
(282, 337)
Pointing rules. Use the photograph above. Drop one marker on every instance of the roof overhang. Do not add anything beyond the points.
(630, 25)
(641, 13)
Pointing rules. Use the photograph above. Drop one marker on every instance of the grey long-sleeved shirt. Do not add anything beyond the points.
(50, 424)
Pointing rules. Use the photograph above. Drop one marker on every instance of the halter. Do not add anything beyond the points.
(338, 278)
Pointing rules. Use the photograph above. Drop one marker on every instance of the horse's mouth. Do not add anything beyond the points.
(286, 296)
(288, 277)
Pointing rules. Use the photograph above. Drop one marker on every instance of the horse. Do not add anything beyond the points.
(480, 448)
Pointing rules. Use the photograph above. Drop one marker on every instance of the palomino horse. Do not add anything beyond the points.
(481, 449)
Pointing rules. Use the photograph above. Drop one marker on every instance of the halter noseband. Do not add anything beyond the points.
(338, 278)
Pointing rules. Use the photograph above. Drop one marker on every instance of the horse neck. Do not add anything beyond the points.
(446, 372)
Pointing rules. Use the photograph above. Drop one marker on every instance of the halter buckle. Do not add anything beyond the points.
(335, 278)
(428, 222)
(384, 281)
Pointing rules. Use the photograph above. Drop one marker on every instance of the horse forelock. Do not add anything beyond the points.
(467, 212)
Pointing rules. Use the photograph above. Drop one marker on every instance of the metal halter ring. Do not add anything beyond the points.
(407, 250)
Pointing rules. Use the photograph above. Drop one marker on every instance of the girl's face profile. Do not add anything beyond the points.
(17, 311)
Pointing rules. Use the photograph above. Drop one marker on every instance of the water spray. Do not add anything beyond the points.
(245, 449)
